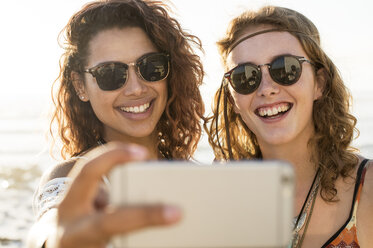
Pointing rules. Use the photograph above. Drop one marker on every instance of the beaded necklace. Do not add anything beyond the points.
(304, 216)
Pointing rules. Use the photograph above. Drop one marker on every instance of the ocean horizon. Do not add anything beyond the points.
(25, 155)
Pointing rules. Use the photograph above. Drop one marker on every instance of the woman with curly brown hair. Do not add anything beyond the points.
(129, 78)
(283, 98)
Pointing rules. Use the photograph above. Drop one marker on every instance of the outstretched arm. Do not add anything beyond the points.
(78, 223)
(365, 210)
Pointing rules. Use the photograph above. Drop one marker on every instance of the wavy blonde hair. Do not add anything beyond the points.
(179, 127)
(334, 125)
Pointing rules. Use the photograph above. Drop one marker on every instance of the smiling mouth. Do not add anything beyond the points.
(136, 109)
(274, 111)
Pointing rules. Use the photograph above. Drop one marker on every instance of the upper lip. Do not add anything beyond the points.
(135, 103)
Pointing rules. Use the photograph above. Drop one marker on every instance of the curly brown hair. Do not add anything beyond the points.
(334, 125)
(179, 127)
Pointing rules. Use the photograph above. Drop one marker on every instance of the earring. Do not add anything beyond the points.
(82, 98)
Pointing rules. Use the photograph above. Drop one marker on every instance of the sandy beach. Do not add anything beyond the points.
(24, 156)
(16, 216)
(17, 185)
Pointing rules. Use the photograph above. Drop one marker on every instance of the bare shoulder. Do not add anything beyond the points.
(367, 190)
(365, 213)
(59, 170)
(369, 172)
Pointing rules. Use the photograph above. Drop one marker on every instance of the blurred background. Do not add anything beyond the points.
(29, 65)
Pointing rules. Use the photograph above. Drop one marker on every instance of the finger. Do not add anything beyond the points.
(87, 174)
(127, 219)
(99, 228)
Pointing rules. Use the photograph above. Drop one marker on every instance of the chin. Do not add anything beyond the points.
(139, 134)
(275, 140)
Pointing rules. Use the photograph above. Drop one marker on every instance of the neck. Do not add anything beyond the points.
(298, 153)
(299, 157)
(149, 142)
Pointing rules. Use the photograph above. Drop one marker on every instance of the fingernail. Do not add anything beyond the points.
(171, 214)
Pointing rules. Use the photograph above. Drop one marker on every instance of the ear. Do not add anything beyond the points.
(79, 86)
(320, 83)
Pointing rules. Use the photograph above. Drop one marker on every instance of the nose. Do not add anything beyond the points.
(267, 86)
(135, 86)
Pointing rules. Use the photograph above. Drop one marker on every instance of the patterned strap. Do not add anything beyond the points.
(346, 235)
(359, 185)
(50, 195)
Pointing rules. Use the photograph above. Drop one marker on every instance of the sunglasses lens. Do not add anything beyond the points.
(154, 67)
(245, 79)
(285, 70)
(111, 76)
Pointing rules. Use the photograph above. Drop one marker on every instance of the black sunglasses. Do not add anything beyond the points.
(150, 67)
(284, 70)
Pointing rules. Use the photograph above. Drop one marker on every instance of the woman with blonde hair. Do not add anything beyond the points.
(129, 78)
(283, 98)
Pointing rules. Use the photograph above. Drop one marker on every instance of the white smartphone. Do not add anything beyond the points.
(238, 204)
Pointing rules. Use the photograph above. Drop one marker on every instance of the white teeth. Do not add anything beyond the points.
(273, 110)
(136, 109)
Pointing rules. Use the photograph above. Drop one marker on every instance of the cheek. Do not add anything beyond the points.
(91, 87)
(100, 100)
(306, 90)
(241, 103)
(317, 92)
(162, 91)
(307, 83)
(101, 106)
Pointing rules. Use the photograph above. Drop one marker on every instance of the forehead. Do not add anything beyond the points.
(125, 44)
(262, 48)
